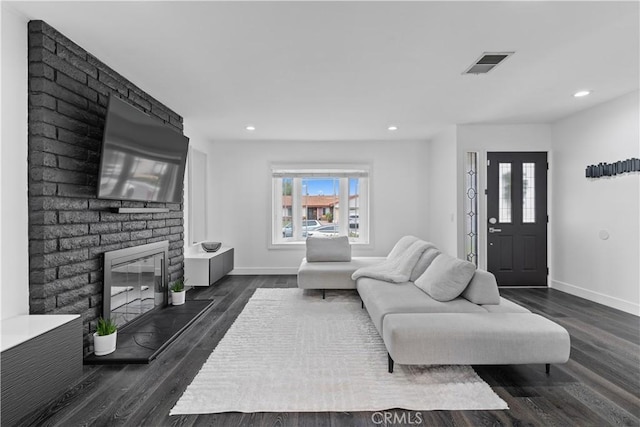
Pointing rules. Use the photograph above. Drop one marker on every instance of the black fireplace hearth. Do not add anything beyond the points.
(143, 339)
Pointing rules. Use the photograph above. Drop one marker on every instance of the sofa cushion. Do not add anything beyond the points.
(505, 306)
(446, 277)
(332, 275)
(474, 339)
(401, 246)
(424, 262)
(482, 289)
(328, 249)
(382, 298)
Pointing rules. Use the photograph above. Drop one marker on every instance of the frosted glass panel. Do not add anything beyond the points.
(504, 199)
(471, 207)
(528, 192)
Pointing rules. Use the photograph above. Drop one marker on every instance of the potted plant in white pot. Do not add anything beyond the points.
(105, 337)
(178, 292)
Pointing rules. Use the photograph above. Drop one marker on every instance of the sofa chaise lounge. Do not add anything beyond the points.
(433, 309)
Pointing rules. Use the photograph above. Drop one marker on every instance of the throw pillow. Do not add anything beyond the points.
(424, 262)
(327, 249)
(446, 277)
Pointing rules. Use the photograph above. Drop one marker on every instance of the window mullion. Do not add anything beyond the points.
(296, 205)
(278, 207)
(363, 219)
(343, 220)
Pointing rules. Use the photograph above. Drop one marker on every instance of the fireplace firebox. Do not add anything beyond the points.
(135, 281)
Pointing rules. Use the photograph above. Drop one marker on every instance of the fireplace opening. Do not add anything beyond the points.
(135, 281)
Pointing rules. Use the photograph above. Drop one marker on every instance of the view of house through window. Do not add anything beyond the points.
(321, 203)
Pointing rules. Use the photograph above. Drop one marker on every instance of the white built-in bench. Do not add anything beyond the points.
(41, 358)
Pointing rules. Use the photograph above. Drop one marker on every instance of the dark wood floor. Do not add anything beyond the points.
(599, 386)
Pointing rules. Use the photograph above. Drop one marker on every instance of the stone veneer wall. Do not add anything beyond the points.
(69, 228)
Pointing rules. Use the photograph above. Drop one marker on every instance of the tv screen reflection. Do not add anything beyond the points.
(142, 159)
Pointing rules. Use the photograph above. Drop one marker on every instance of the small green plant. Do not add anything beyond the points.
(106, 327)
(178, 285)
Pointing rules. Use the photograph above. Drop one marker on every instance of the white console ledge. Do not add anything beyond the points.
(202, 254)
(19, 329)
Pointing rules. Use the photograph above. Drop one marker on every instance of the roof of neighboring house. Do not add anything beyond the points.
(313, 201)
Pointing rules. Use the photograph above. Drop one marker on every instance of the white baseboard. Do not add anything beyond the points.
(254, 271)
(609, 301)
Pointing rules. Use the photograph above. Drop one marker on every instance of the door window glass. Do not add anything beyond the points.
(504, 199)
(528, 192)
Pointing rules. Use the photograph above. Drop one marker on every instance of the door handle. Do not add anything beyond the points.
(494, 230)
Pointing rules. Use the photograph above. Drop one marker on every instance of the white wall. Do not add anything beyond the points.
(488, 138)
(605, 271)
(443, 194)
(241, 191)
(14, 258)
(198, 142)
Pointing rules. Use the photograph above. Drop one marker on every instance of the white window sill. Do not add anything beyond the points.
(301, 244)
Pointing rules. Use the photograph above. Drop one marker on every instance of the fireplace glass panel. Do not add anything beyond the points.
(136, 288)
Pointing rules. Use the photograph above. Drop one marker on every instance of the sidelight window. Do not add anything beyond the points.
(471, 207)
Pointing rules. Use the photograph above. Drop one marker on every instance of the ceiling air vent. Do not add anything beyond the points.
(487, 62)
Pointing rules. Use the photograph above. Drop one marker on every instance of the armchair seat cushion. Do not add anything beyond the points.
(332, 274)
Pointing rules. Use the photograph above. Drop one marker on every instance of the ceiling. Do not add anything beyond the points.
(348, 70)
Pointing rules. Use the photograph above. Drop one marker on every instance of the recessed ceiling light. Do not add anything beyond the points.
(250, 128)
(582, 93)
(392, 128)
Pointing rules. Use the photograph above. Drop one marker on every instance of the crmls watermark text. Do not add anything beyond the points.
(390, 418)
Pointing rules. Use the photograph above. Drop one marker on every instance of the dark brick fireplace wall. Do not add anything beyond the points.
(69, 228)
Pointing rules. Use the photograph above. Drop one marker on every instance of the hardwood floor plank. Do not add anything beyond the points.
(80, 398)
(630, 402)
(160, 399)
(598, 386)
(571, 408)
(604, 342)
(607, 410)
(555, 305)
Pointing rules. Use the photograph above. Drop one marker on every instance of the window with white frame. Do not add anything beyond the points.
(320, 202)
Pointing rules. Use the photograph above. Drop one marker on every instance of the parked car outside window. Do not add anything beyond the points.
(307, 225)
(325, 231)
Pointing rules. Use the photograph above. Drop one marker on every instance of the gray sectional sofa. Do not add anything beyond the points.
(433, 309)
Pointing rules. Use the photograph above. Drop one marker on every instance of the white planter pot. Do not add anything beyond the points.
(106, 344)
(177, 298)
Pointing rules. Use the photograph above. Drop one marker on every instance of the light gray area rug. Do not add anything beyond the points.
(291, 351)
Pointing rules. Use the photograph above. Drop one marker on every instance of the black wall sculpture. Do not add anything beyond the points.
(611, 169)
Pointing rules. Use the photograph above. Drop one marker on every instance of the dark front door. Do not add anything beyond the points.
(517, 218)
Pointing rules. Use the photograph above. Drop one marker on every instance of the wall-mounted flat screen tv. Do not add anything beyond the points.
(142, 158)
